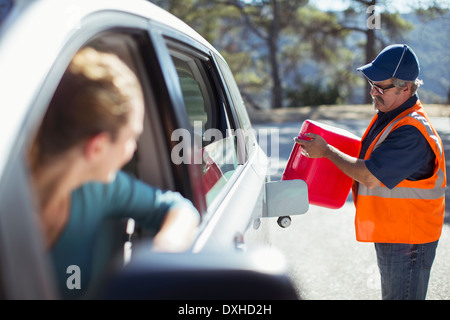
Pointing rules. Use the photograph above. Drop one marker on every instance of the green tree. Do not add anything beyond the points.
(266, 42)
(382, 27)
(288, 30)
(202, 15)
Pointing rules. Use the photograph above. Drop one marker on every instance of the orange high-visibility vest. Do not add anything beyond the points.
(413, 211)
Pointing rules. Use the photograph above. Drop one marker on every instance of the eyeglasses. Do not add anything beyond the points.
(378, 88)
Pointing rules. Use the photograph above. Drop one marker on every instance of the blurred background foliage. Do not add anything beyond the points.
(289, 53)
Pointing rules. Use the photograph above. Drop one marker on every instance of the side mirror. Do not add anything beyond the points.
(286, 197)
(256, 275)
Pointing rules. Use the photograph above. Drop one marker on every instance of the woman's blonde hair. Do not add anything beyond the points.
(95, 95)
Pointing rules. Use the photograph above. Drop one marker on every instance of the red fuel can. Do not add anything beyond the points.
(328, 186)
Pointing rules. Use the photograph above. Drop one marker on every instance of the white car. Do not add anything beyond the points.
(190, 92)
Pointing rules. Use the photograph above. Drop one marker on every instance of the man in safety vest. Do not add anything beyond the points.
(399, 176)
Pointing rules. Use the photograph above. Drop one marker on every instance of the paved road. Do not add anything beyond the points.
(327, 263)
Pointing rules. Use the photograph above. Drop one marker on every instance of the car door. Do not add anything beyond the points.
(229, 189)
(26, 270)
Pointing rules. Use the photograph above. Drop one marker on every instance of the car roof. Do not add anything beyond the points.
(31, 36)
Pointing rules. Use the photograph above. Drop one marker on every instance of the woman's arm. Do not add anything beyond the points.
(177, 231)
(171, 217)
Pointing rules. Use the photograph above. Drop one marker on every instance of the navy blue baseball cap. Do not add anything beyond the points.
(395, 61)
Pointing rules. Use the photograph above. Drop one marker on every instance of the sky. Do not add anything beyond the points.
(332, 5)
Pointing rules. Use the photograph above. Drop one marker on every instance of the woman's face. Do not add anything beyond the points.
(120, 151)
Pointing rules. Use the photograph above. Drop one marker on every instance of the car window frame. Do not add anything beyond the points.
(246, 137)
(17, 279)
(218, 117)
(173, 114)
(193, 48)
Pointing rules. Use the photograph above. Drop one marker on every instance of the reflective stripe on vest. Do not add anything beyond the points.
(438, 191)
(415, 116)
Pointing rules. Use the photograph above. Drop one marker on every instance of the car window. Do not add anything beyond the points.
(247, 135)
(235, 95)
(192, 94)
(209, 119)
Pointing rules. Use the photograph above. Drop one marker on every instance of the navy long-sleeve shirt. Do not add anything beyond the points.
(405, 154)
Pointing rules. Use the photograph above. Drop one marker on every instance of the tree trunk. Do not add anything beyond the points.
(370, 51)
(277, 91)
(272, 40)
